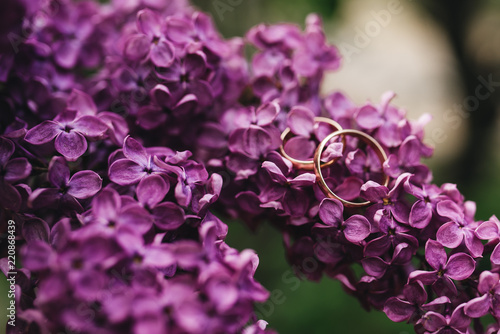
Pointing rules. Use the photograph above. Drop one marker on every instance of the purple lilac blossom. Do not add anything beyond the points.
(69, 132)
(121, 225)
(65, 191)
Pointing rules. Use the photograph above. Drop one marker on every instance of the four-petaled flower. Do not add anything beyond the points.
(452, 233)
(150, 41)
(456, 323)
(458, 267)
(150, 193)
(490, 230)
(410, 305)
(66, 191)
(355, 229)
(136, 165)
(11, 172)
(70, 130)
(390, 201)
(111, 210)
(489, 288)
(283, 189)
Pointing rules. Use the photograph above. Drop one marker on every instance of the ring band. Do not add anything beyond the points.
(307, 164)
(367, 139)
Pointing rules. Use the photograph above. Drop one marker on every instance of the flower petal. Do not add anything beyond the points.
(6, 150)
(168, 216)
(266, 113)
(84, 184)
(203, 92)
(415, 293)
(398, 310)
(90, 126)
(331, 212)
(478, 307)
(185, 105)
(37, 256)
(44, 198)
(242, 166)
(299, 147)
(35, 229)
(332, 152)
(43, 133)
(66, 52)
(137, 47)
(66, 116)
(495, 255)
(212, 136)
(275, 172)
(420, 214)
(159, 256)
(150, 117)
(488, 282)
(151, 190)
(459, 319)
(195, 64)
(58, 172)
(356, 161)
(257, 142)
(148, 22)
(106, 204)
(179, 29)
(249, 202)
(426, 277)
(451, 210)
(303, 180)
(81, 102)
(357, 228)
(473, 244)
(9, 197)
(137, 218)
(295, 202)
(435, 254)
(450, 235)
(162, 54)
(389, 134)
(488, 230)
(117, 125)
(368, 117)
(161, 96)
(377, 246)
(301, 121)
(460, 266)
(17, 169)
(374, 192)
(71, 145)
(375, 266)
(409, 152)
(349, 189)
(433, 321)
(339, 106)
(135, 151)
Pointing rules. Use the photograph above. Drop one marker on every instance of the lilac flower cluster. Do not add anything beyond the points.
(105, 277)
(116, 237)
(418, 244)
(126, 125)
(144, 255)
(169, 71)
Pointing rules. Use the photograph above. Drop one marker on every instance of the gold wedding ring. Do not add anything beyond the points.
(367, 139)
(307, 164)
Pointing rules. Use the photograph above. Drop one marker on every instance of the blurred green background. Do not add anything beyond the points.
(431, 55)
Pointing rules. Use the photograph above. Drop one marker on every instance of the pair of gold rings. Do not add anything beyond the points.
(316, 164)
